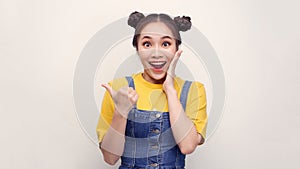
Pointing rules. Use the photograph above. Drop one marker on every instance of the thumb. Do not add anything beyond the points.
(177, 55)
(108, 88)
(175, 58)
(171, 69)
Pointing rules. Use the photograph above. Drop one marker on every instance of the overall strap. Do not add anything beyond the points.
(184, 93)
(180, 158)
(130, 81)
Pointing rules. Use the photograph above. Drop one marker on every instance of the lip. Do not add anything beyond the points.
(157, 64)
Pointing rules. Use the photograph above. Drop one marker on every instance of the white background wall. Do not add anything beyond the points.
(257, 43)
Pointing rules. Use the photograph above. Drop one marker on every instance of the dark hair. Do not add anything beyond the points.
(138, 21)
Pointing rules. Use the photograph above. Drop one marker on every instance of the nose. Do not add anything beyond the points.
(157, 53)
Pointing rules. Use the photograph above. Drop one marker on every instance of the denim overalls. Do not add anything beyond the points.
(149, 142)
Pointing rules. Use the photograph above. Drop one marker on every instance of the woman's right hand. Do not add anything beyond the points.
(124, 99)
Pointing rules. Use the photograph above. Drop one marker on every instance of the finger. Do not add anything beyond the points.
(130, 90)
(176, 58)
(131, 94)
(178, 53)
(171, 70)
(134, 98)
(108, 88)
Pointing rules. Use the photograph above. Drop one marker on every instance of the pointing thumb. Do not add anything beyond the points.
(108, 88)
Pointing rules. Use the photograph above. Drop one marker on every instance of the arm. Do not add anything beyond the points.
(112, 145)
(184, 131)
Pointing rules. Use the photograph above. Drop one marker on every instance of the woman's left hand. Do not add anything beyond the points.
(168, 84)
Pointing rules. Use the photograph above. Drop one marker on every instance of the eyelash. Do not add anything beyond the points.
(163, 44)
(168, 43)
(145, 43)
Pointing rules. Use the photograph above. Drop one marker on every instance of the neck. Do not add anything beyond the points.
(152, 80)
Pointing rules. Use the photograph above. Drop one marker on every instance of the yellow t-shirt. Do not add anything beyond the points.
(152, 97)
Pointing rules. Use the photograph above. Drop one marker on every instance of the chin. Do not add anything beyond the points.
(155, 77)
(158, 76)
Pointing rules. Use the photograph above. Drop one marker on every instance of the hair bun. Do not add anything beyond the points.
(135, 18)
(184, 23)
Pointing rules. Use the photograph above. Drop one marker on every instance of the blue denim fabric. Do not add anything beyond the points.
(149, 142)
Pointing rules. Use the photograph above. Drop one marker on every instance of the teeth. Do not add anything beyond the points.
(157, 65)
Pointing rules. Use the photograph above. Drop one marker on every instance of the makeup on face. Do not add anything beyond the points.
(156, 49)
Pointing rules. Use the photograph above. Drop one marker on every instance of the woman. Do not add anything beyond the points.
(153, 119)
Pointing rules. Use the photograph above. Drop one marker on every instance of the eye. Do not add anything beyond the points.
(146, 44)
(166, 44)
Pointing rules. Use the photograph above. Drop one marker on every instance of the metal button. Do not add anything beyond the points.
(157, 115)
(156, 131)
(154, 164)
(154, 146)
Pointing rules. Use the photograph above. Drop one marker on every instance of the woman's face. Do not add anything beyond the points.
(156, 49)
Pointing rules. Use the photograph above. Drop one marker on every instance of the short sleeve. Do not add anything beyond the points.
(196, 107)
(107, 108)
(106, 115)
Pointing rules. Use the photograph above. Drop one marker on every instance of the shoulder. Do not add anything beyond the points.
(197, 90)
(197, 87)
(193, 90)
(194, 85)
(179, 82)
(197, 84)
(118, 83)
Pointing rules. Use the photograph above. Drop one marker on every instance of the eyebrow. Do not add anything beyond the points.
(146, 37)
(166, 37)
(149, 37)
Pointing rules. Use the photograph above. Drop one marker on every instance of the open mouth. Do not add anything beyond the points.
(158, 64)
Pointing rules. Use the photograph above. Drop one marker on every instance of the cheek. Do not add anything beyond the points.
(144, 54)
(170, 53)
(171, 50)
